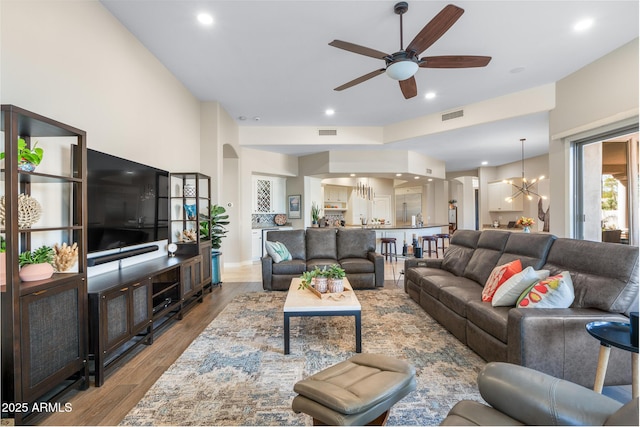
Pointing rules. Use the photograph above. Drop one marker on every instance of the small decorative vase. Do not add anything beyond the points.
(320, 283)
(32, 272)
(335, 285)
(189, 190)
(26, 166)
(526, 229)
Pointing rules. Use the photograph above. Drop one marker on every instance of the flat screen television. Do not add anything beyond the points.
(127, 202)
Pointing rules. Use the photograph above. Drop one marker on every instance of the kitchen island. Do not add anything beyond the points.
(406, 234)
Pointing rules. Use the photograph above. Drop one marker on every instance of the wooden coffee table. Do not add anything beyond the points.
(303, 302)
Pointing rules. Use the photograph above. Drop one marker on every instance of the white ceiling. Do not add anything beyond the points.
(271, 59)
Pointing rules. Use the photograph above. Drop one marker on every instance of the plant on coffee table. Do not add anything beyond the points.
(335, 274)
(308, 276)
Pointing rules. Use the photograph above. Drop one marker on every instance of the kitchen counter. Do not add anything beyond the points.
(401, 228)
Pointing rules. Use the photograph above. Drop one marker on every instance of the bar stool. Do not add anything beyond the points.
(388, 243)
(442, 236)
(430, 239)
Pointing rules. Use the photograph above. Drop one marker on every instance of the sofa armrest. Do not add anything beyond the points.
(422, 262)
(535, 398)
(555, 341)
(378, 267)
(267, 272)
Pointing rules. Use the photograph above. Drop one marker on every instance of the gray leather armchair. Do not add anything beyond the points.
(523, 396)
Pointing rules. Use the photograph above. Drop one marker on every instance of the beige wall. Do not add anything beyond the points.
(603, 95)
(74, 62)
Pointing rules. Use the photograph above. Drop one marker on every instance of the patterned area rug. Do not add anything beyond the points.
(236, 373)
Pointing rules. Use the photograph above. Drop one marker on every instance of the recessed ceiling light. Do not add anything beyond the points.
(353, 174)
(398, 174)
(585, 24)
(484, 163)
(329, 112)
(205, 18)
(416, 177)
(430, 95)
(430, 179)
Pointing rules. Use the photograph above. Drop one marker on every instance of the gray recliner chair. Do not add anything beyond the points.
(523, 396)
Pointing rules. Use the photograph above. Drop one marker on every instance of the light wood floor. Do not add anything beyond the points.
(127, 383)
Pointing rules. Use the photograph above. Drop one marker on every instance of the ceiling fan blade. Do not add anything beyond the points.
(454, 61)
(435, 29)
(360, 79)
(408, 87)
(358, 49)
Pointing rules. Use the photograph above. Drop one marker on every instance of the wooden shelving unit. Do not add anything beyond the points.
(42, 359)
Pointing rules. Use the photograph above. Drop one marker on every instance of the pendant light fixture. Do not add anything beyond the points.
(525, 186)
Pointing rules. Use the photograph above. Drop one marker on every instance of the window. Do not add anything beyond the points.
(606, 187)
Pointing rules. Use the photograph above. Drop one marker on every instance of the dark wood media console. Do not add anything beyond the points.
(126, 306)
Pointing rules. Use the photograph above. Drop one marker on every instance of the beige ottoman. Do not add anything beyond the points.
(358, 391)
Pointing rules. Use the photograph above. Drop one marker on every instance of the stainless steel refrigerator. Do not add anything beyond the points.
(407, 205)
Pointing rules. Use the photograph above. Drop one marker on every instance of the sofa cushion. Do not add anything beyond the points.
(433, 284)
(509, 292)
(498, 276)
(296, 266)
(460, 251)
(457, 298)
(530, 249)
(355, 243)
(320, 263)
(415, 274)
(492, 320)
(604, 275)
(552, 292)
(357, 265)
(294, 240)
(490, 247)
(321, 243)
(278, 251)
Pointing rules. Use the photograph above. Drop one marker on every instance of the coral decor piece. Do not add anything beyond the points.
(29, 211)
(66, 256)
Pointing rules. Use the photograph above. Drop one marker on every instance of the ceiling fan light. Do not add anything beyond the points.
(402, 70)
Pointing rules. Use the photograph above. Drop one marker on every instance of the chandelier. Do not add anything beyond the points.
(525, 186)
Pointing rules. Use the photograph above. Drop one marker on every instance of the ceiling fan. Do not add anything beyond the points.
(402, 65)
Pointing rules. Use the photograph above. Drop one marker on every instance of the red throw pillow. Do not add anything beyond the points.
(498, 276)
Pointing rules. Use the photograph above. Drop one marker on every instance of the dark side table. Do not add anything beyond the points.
(616, 334)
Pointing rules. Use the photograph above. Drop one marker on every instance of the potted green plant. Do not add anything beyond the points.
(335, 275)
(219, 219)
(315, 214)
(315, 278)
(28, 158)
(36, 265)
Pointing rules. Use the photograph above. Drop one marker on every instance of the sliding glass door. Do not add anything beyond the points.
(606, 187)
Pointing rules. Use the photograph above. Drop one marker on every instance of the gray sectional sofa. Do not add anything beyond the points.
(554, 341)
(353, 249)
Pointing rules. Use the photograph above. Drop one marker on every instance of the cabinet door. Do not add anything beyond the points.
(52, 337)
(116, 318)
(495, 190)
(256, 244)
(205, 252)
(142, 311)
(188, 285)
(263, 192)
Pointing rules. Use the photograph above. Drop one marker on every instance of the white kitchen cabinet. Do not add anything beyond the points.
(498, 193)
(256, 244)
(269, 195)
(335, 198)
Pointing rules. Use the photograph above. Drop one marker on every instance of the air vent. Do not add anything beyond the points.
(327, 132)
(452, 115)
(429, 171)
